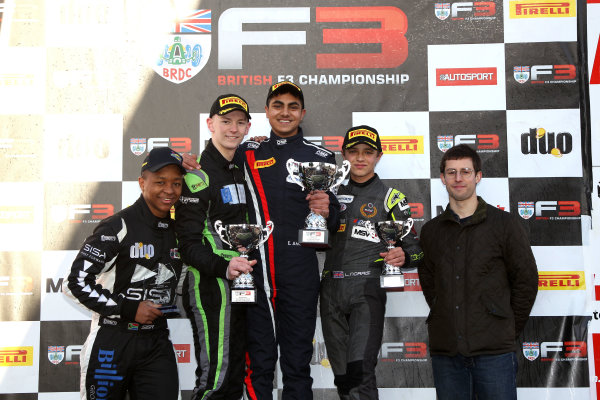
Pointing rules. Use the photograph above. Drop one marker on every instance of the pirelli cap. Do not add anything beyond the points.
(227, 103)
(160, 157)
(362, 134)
(285, 87)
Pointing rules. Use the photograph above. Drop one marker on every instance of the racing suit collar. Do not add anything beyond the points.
(280, 142)
(217, 157)
(363, 184)
(152, 220)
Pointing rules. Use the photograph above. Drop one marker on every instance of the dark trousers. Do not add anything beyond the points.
(485, 377)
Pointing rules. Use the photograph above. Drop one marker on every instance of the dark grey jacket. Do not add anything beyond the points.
(480, 280)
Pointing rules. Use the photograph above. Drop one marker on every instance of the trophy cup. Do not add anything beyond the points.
(163, 291)
(391, 232)
(316, 176)
(243, 238)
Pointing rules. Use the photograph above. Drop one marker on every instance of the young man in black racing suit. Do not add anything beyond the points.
(352, 301)
(215, 192)
(124, 272)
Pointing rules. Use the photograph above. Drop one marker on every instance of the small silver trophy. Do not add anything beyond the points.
(316, 176)
(243, 238)
(390, 233)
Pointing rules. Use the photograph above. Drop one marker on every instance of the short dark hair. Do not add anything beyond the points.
(458, 152)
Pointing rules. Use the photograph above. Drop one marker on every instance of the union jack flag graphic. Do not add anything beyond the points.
(197, 22)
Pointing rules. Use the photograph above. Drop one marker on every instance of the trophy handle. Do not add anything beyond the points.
(342, 172)
(221, 231)
(408, 223)
(266, 232)
(291, 167)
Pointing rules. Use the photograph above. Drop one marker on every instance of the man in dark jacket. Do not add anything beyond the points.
(352, 300)
(480, 280)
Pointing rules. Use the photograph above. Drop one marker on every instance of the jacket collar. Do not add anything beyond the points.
(280, 142)
(478, 216)
(150, 219)
(216, 157)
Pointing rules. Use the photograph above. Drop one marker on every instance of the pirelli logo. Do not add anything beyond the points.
(402, 144)
(362, 132)
(264, 163)
(233, 100)
(16, 356)
(561, 280)
(542, 9)
(275, 86)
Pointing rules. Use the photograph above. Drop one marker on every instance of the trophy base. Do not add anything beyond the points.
(170, 311)
(391, 281)
(243, 296)
(313, 238)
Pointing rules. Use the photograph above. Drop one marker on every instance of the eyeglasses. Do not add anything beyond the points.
(465, 173)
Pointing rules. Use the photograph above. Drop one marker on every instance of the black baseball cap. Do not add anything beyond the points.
(285, 87)
(227, 103)
(362, 134)
(160, 157)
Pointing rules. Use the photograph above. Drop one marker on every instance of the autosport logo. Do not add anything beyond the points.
(182, 351)
(561, 280)
(466, 76)
(545, 74)
(542, 9)
(412, 282)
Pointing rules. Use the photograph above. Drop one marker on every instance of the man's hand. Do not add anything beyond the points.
(394, 257)
(238, 266)
(258, 138)
(147, 312)
(189, 161)
(318, 202)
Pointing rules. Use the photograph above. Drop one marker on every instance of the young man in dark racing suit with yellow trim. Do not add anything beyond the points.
(352, 301)
(215, 192)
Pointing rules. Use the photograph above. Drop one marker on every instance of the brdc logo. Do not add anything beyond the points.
(186, 49)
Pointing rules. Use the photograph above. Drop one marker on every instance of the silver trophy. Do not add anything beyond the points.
(316, 176)
(390, 233)
(243, 238)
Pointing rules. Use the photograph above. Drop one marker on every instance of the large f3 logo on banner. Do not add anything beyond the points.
(390, 34)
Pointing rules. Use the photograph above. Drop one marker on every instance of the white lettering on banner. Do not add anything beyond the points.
(232, 38)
